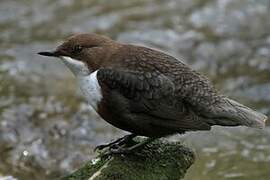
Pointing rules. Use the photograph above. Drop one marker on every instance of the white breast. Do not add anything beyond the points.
(91, 89)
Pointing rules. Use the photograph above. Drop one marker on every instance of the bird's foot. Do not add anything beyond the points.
(122, 150)
(116, 144)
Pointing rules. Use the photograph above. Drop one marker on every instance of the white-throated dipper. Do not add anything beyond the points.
(147, 92)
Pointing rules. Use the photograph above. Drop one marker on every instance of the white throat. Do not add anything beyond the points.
(91, 89)
(87, 80)
(78, 68)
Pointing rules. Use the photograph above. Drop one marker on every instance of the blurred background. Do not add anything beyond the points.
(46, 128)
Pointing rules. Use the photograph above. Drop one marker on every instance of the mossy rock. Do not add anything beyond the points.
(159, 160)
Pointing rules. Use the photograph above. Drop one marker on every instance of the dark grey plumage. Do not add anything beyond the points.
(160, 95)
(150, 93)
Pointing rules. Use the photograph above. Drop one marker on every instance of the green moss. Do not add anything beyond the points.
(86, 171)
(159, 160)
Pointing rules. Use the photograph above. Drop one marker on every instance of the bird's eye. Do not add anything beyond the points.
(77, 49)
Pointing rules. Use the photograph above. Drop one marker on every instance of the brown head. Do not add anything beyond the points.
(83, 53)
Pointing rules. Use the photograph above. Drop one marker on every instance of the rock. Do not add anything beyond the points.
(158, 160)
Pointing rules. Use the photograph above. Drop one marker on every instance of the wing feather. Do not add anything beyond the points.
(151, 94)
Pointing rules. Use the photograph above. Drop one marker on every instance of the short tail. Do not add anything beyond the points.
(232, 113)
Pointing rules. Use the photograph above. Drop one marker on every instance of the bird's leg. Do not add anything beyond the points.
(117, 142)
(126, 150)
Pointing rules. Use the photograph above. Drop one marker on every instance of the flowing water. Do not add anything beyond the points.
(46, 128)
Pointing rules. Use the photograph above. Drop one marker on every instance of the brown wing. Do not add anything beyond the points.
(153, 94)
(190, 86)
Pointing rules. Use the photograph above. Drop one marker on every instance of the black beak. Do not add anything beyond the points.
(49, 53)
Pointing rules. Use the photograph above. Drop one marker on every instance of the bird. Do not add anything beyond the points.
(147, 92)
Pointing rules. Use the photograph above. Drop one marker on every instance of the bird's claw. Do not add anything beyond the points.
(116, 144)
(109, 146)
(100, 147)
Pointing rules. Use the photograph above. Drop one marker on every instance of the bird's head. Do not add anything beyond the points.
(83, 53)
